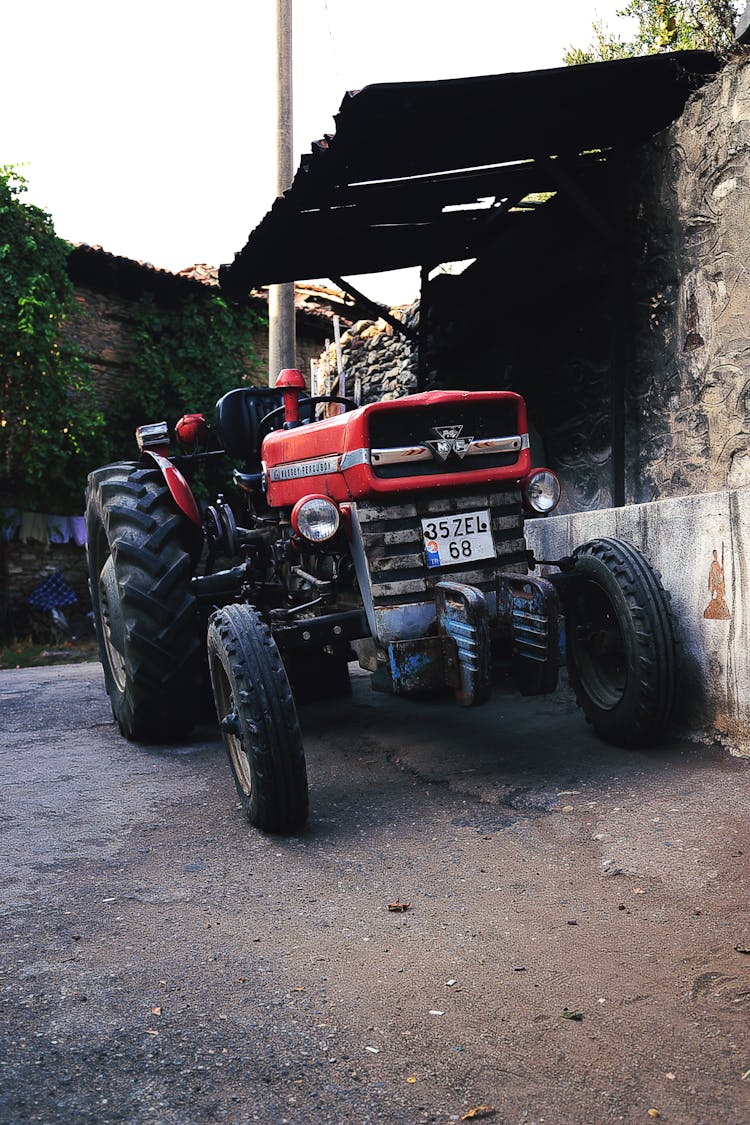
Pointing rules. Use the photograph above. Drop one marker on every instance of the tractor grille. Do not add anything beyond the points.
(393, 545)
(395, 429)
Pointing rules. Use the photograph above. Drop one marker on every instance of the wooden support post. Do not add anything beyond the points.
(620, 330)
(422, 336)
(339, 355)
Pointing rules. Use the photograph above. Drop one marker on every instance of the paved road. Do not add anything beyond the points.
(161, 962)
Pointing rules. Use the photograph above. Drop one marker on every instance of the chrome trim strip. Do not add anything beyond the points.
(497, 445)
(355, 457)
(399, 455)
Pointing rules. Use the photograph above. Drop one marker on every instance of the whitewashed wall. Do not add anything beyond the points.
(679, 536)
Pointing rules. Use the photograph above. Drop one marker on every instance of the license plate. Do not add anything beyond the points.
(458, 537)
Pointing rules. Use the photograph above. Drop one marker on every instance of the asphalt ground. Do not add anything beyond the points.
(574, 949)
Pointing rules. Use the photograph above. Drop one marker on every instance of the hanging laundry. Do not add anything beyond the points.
(59, 529)
(10, 521)
(78, 530)
(33, 527)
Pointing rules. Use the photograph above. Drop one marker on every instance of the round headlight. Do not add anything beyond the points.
(542, 491)
(315, 518)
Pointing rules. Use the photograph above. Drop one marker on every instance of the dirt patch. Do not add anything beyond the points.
(29, 654)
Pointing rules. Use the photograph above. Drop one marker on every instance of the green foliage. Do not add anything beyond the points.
(52, 432)
(50, 427)
(663, 25)
(184, 358)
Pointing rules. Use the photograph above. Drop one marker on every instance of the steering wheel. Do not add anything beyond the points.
(267, 419)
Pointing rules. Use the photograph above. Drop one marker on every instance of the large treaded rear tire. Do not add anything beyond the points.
(141, 553)
(258, 719)
(622, 653)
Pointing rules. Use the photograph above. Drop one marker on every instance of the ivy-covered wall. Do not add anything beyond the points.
(149, 345)
(154, 360)
(168, 343)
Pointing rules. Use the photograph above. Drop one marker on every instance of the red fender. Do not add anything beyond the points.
(179, 488)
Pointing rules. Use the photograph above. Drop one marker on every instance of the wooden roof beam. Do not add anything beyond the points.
(382, 312)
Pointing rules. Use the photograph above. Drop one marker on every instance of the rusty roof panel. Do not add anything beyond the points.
(372, 196)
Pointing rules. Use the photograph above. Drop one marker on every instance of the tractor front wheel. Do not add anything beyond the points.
(258, 719)
(622, 655)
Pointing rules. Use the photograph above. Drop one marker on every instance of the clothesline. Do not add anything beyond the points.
(36, 527)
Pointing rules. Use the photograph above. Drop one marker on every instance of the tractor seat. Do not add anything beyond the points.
(239, 414)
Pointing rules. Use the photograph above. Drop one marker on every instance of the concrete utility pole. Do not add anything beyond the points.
(281, 340)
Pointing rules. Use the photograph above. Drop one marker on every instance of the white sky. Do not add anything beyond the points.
(148, 127)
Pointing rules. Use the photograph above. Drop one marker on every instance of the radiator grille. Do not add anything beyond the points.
(413, 427)
(392, 541)
(409, 427)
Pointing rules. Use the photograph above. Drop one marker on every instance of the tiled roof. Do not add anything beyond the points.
(95, 267)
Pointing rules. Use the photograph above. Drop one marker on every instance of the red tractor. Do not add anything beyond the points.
(391, 532)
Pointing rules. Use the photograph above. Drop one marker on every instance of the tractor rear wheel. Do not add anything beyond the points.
(141, 554)
(258, 719)
(622, 655)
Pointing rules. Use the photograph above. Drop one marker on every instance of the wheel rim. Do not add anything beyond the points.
(111, 619)
(599, 649)
(230, 728)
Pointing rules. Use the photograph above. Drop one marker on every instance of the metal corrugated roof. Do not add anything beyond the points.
(399, 182)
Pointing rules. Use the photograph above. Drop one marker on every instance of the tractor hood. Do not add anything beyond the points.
(440, 439)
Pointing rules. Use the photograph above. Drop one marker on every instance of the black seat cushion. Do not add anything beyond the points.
(239, 414)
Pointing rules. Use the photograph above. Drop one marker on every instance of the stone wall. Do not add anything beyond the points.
(101, 326)
(376, 358)
(683, 537)
(691, 243)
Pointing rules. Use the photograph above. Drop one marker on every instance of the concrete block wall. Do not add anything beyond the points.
(683, 537)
